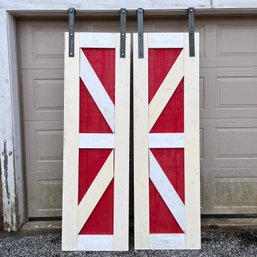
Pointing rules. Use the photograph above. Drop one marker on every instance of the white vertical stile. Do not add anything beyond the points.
(121, 165)
(70, 160)
(192, 160)
(141, 166)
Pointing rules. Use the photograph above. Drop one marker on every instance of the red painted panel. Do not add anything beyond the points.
(91, 119)
(103, 63)
(161, 220)
(160, 62)
(92, 160)
(100, 222)
(90, 163)
(171, 120)
(172, 162)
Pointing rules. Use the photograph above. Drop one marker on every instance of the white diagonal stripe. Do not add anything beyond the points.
(166, 90)
(166, 140)
(95, 192)
(96, 140)
(97, 90)
(167, 192)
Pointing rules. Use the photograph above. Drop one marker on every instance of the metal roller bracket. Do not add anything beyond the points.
(72, 13)
(191, 30)
(140, 26)
(123, 20)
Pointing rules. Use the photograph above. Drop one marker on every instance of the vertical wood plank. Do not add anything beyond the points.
(70, 153)
(192, 160)
(121, 166)
(12, 190)
(141, 166)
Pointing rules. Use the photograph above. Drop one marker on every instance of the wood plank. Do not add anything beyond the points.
(192, 156)
(166, 140)
(95, 242)
(97, 90)
(166, 90)
(167, 191)
(95, 192)
(70, 154)
(165, 40)
(167, 241)
(13, 209)
(96, 140)
(97, 40)
(101, 5)
(121, 162)
(141, 171)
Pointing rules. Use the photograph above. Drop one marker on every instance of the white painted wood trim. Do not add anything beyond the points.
(167, 192)
(95, 242)
(192, 152)
(166, 90)
(141, 171)
(96, 140)
(70, 152)
(165, 40)
(103, 6)
(96, 90)
(11, 163)
(166, 140)
(167, 241)
(95, 192)
(97, 40)
(121, 163)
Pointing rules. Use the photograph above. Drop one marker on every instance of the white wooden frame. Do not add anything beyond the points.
(13, 182)
(115, 167)
(188, 214)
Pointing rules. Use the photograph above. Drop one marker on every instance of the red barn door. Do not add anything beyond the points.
(166, 143)
(96, 144)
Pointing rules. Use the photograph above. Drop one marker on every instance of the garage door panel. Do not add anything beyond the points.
(235, 93)
(45, 196)
(42, 44)
(237, 40)
(43, 94)
(44, 145)
(231, 143)
(231, 43)
(233, 191)
(228, 106)
(228, 92)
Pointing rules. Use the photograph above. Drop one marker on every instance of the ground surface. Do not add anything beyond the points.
(213, 244)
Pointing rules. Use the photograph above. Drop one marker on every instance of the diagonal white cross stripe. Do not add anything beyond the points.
(167, 192)
(97, 90)
(95, 192)
(166, 90)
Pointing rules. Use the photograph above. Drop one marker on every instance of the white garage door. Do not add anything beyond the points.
(228, 88)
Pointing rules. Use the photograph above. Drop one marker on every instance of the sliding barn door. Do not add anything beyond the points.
(96, 144)
(166, 143)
